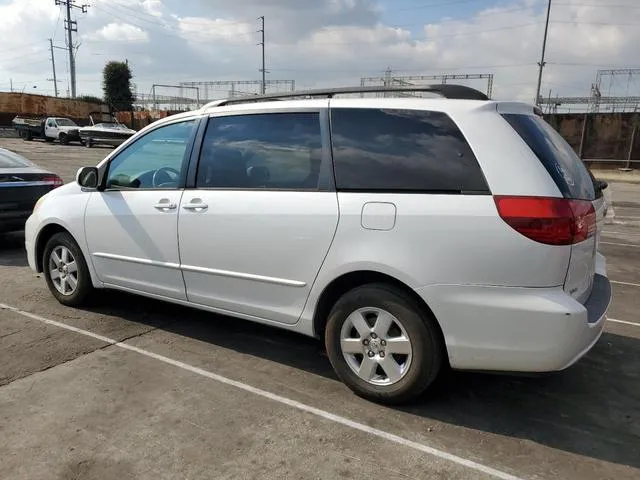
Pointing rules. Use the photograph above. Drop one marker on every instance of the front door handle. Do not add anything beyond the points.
(165, 206)
(195, 206)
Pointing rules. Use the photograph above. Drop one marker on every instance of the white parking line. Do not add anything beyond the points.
(614, 320)
(625, 283)
(405, 442)
(604, 232)
(620, 244)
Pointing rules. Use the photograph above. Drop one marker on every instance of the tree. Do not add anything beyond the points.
(90, 99)
(116, 84)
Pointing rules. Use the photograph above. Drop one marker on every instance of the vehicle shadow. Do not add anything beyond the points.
(12, 252)
(591, 409)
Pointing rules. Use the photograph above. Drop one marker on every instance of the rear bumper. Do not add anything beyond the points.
(517, 329)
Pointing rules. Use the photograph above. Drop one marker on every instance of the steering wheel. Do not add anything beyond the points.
(157, 180)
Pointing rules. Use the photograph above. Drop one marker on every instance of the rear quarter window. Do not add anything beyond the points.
(392, 150)
(565, 167)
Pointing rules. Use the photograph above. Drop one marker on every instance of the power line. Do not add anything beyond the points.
(166, 30)
(596, 5)
(434, 5)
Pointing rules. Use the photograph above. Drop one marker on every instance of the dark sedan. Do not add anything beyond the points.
(22, 183)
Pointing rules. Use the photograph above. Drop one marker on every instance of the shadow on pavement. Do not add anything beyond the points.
(591, 409)
(12, 253)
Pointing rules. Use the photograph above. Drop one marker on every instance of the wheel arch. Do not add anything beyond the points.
(348, 281)
(43, 237)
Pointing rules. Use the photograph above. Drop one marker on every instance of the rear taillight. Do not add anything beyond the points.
(552, 221)
(54, 180)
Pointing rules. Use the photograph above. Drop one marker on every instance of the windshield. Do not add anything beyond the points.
(13, 160)
(65, 122)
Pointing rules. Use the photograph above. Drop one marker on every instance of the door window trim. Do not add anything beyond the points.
(186, 159)
(326, 179)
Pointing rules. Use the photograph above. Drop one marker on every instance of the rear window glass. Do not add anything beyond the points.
(565, 167)
(11, 160)
(402, 151)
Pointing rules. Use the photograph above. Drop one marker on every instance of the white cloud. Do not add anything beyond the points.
(325, 42)
(121, 32)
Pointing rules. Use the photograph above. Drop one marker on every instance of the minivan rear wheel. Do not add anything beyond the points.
(383, 345)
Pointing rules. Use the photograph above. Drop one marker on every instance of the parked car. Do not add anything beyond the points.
(410, 234)
(64, 130)
(22, 183)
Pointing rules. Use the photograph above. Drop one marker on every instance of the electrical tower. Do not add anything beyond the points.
(233, 88)
(390, 80)
(622, 94)
(71, 26)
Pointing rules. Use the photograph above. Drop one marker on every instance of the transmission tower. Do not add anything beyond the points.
(71, 26)
(390, 80)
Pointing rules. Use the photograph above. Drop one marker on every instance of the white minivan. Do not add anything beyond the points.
(411, 234)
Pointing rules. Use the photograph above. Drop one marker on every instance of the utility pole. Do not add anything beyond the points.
(263, 69)
(53, 65)
(544, 48)
(11, 83)
(71, 26)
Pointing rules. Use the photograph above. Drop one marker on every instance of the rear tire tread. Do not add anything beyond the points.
(429, 351)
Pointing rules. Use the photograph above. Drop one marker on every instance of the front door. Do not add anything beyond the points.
(257, 227)
(132, 226)
(51, 128)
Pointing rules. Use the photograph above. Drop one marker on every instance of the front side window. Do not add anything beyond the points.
(395, 150)
(156, 160)
(262, 151)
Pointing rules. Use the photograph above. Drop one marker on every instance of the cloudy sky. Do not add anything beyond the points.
(325, 42)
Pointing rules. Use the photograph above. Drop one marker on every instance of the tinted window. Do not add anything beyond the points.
(156, 160)
(402, 150)
(275, 150)
(11, 160)
(565, 167)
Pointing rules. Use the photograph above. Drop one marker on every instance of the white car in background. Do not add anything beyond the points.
(408, 233)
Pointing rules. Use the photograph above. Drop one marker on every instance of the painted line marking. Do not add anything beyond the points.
(405, 442)
(625, 283)
(604, 232)
(620, 244)
(624, 322)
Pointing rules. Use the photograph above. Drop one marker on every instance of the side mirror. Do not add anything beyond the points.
(602, 184)
(87, 177)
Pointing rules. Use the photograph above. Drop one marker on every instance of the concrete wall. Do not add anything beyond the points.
(607, 136)
(139, 120)
(12, 104)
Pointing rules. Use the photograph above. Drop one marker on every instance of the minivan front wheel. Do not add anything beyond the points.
(382, 345)
(65, 270)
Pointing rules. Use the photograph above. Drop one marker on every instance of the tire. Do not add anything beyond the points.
(88, 143)
(81, 293)
(28, 136)
(64, 139)
(419, 369)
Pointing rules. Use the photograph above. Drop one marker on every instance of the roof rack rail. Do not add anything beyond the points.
(445, 90)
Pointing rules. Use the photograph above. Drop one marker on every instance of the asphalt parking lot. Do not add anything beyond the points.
(135, 388)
